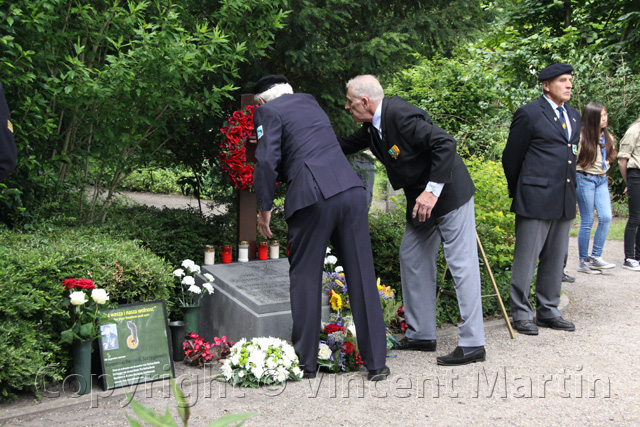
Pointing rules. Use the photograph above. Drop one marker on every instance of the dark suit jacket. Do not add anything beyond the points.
(297, 145)
(540, 163)
(7, 144)
(427, 153)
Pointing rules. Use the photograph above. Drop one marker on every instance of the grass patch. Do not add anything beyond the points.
(616, 231)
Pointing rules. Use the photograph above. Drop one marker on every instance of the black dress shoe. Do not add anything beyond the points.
(379, 374)
(457, 357)
(417, 345)
(557, 323)
(568, 279)
(526, 327)
(308, 374)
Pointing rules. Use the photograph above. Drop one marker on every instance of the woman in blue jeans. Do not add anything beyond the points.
(629, 162)
(597, 149)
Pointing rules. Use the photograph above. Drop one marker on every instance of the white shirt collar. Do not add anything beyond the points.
(377, 117)
(565, 113)
(553, 104)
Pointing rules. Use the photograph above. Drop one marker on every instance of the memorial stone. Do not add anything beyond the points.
(251, 299)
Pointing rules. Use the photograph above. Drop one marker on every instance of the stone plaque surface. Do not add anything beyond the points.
(261, 285)
(251, 299)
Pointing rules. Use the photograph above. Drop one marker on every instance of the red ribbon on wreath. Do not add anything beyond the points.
(234, 153)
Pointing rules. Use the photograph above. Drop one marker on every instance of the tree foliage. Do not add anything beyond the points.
(460, 97)
(591, 37)
(110, 84)
(599, 23)
(327, 42)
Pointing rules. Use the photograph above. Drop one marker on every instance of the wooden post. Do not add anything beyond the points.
(247, 203)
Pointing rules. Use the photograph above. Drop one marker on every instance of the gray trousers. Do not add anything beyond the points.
(541, 242)
(418, 268)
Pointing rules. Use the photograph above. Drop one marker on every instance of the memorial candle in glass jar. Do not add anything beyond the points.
(243, 251)
(263, 249)
(274, 250)
(209, 255)
(226, 254)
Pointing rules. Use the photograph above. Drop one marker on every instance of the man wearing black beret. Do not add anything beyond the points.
(539, 163)
(325, 201)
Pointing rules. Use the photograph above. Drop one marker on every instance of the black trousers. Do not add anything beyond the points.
(632, 230)
(341, 219)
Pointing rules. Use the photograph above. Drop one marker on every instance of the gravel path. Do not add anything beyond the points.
(178, 201)
(172, 201)
(588, 377)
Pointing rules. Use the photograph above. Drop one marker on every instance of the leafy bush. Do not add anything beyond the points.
(461, 98)
(386, 230)
(29, 346)
(32, 266)
(158, 180)
(495, 224)
(173, 234)
(620, 208)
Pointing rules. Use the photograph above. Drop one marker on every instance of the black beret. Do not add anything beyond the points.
(267, 82)
(554, 70)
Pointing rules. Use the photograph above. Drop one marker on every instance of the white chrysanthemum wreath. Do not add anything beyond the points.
(261, 361)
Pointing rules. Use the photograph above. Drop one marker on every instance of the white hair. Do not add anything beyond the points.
(366, 85)
(274, 92)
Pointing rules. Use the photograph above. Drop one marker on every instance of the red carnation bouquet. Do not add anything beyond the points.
(234, 152)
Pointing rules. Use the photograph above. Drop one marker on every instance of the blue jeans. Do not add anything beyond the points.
(593, 192)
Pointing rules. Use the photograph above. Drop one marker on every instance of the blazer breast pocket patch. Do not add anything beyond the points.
(538, 181)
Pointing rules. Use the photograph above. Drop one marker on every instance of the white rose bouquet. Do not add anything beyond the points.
(261, 361)
(189, 290)
(87, 304)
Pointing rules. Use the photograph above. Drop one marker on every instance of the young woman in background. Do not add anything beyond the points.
(597, 149)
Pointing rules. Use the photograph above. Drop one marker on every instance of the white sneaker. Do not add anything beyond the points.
(631, 264)
(583, 267)
(597, 263)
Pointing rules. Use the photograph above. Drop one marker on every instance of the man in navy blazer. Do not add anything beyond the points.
(421, 158)
(539, 163)
(7, 143)
(325, 201)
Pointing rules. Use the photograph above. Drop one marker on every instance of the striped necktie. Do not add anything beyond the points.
(563, 122)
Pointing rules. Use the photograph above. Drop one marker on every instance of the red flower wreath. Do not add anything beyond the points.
(234, 153)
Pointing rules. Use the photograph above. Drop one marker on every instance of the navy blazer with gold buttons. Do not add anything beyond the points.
(539, 162)
(297, 145)
(7, 143)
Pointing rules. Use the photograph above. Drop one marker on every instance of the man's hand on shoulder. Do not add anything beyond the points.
(424, 205)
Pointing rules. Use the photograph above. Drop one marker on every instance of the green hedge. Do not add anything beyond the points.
(155, 180)
(32, 266)
(134, 253)
(173, 234)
